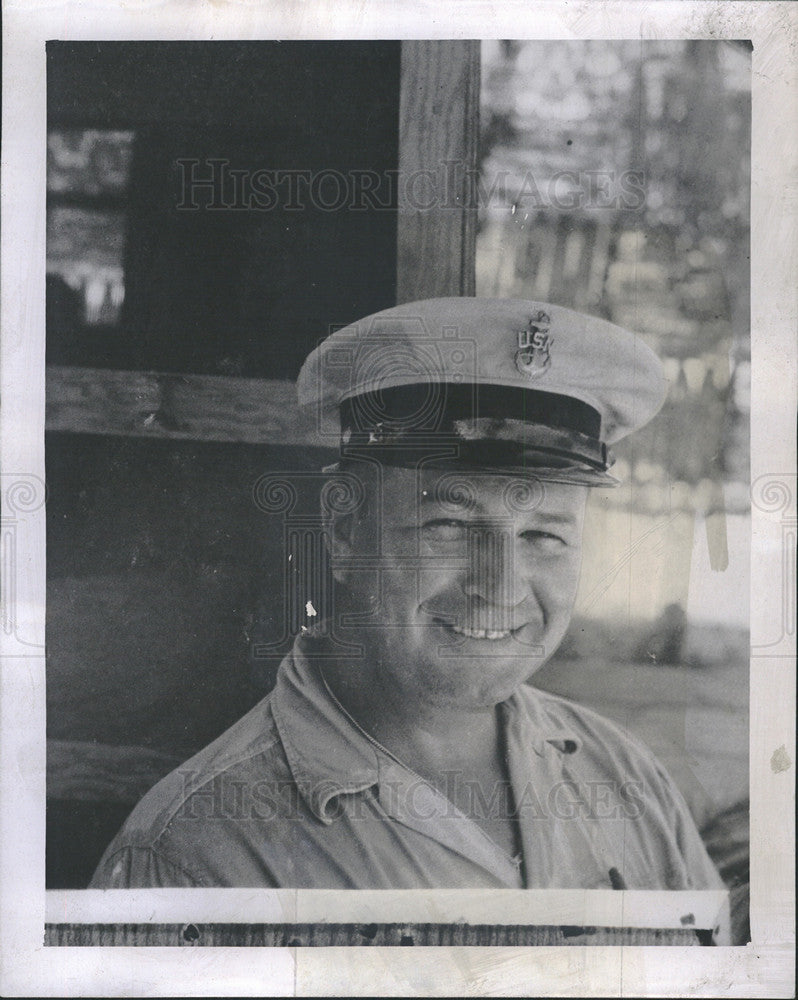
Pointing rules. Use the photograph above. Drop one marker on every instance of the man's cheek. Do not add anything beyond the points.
(568, 578)
(362, 597)
(414, 585)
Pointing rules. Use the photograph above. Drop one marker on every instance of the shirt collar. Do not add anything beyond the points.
(543, 729)
(329, 757)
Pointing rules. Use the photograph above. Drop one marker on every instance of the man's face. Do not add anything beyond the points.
(467, 581)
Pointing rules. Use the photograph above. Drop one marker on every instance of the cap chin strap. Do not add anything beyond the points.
(538, 466)
(508, 447)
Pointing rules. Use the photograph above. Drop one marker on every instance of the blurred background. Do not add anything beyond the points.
(615, 180)
(611, 177)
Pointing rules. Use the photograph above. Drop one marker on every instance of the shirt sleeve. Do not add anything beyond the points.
(132, 867)
(700, 869)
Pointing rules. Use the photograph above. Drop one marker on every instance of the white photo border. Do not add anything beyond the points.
(762, 969)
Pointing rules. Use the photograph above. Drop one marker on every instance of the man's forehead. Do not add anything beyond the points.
(480, 489)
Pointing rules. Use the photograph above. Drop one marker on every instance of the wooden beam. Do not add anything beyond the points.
(193, 407)
(438, 133)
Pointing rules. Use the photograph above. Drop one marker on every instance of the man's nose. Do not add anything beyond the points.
(493, 573)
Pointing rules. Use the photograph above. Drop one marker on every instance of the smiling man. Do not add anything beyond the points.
(402, 746)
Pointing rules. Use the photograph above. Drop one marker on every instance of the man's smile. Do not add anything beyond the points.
(481, 633)
(488, 631)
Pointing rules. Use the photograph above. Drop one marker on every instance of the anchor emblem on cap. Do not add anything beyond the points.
(534, 346)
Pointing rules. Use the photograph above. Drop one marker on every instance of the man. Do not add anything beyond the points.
(402, 747)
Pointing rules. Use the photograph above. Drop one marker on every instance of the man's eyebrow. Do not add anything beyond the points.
(428, 497)
(554, 517)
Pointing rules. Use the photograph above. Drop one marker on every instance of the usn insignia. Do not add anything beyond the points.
(534, 346)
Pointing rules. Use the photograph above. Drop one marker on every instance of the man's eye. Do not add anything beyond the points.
(545, 539)
(443, 531)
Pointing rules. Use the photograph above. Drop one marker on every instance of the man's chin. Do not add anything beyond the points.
(477, 682)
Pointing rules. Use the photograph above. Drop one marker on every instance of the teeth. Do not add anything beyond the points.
(480, 633)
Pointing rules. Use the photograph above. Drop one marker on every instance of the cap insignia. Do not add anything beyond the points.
(534, 346)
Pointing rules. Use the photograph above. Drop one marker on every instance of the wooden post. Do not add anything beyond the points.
(438, 133)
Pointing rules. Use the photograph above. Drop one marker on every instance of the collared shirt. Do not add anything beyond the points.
(294, 796)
